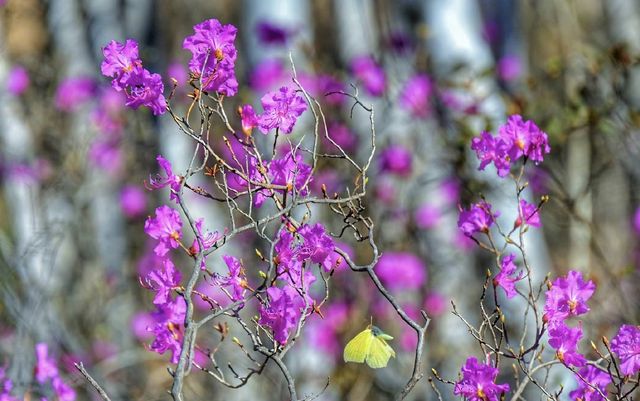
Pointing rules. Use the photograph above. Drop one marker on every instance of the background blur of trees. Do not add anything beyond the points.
(72, 246)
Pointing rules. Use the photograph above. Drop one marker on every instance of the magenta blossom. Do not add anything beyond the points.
(291, 171)
(268, 75)
(120, 59)
(478, 218)
(248, 118)
(370, 74)
(595, 378)
(507, 277)
(281, 110)
(73, 92)
(478, 382)
(145, 89)
(626, 345)
(132, 201)
(163, 281)
(168, 328)
(236, 278)
(171, 180)
(165, 227)
(528, 214)
(17, 80)
(525, 139)
(63, 390)
(213, 56)
(492, 150)
(565, 341)
(316, 246)
(396, 159)
(46, 367)
(567, 297)
(283, 312)
(208, 239)
(416, 94)
(401, 270)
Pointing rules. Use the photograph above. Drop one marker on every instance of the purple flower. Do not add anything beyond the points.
(509, 67)
(236, 278)
(506, 278)
(120, 59)
(214, 56)
(17, 80)
(594, 376)
(396, 159)
(208, 239)
(46, 367)
(427, 216)
(342, 135)
(291, 171)
(132, 201)
(401, 270)
(72, 92)
(525, 139)
(565, 341)
(167, 330)
(416, 94)
(281, 110)
(165, 227)
(528, 214)
(63, 390)
(163, 281)
(478, 382)
(626, 345)
(490, 149)
(367, 71)
(316, 246)
(248, 118)
(268, 75)
(272, 34)
(171, 180)
(479, 218)
(145, 89)
(283, 312)
(568, 297)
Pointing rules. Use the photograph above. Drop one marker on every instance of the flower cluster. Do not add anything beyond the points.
(596, 383)
(507, 278)
(478, 218)
(516, 139)
(626, 345)
(281, 111)
(213, 56)
(141, 87)
(310, 244)
(46, 369)
(478, 382)
(567, 297)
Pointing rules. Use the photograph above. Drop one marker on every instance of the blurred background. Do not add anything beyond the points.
(73, 162)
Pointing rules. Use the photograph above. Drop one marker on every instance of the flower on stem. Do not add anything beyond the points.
(213, 56)
(169, 318)
(478, 218)
(236, 278)
(492, 150)
(565, 341)
(165, 227)
(163, 281)
(291, 171)
(120, 59)
(248, 118)
(283, 312)
(626, 345)
(145, 89)
(595, 378)
(316, 245)
(507, 278)
(171, 180)
(478, 382)
(281, 110)
(527, 214)
(567, 297)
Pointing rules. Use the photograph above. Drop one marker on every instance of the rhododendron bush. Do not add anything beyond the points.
(219, 224)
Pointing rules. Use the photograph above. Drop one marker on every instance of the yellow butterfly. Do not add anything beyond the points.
(370, 345)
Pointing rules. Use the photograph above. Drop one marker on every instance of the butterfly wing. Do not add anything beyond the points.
(359, 347)
(379, 353)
